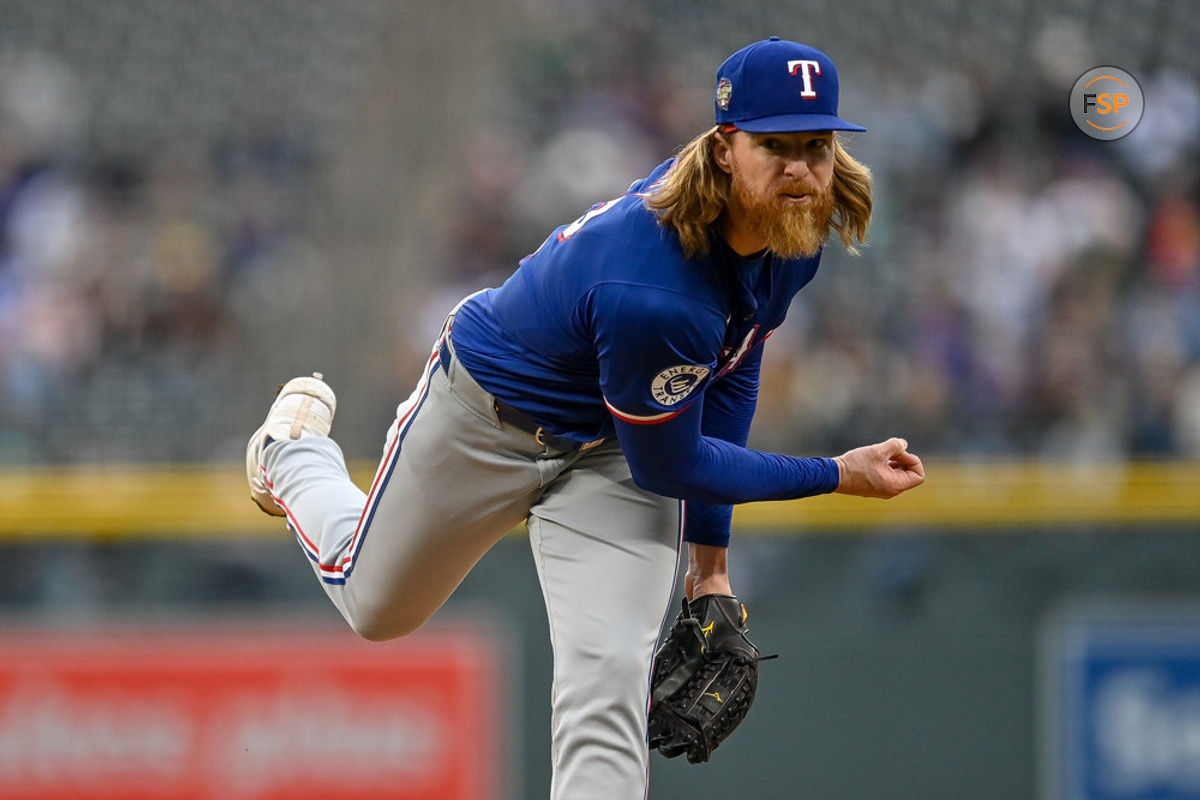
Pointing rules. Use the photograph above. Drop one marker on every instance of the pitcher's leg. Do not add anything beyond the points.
(449, 487)
(322, 505)
(606, 555)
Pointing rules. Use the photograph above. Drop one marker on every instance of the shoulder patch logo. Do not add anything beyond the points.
(675, 383)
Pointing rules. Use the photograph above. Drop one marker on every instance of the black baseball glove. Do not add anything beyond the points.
(705, 675)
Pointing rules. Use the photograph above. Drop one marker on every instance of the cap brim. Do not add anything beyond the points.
(789, 123)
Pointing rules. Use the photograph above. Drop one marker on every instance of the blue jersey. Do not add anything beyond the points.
(610, 329)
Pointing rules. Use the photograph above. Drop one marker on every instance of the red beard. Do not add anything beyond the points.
(789, 231)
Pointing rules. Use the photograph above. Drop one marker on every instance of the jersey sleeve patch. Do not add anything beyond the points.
(669, 388)
(673, 384)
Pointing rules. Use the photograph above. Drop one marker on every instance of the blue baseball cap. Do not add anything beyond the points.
(777, 86)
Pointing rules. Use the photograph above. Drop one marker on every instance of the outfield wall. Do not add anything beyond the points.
(207, 501)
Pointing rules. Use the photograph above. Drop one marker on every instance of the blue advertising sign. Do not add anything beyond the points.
(1120, 704)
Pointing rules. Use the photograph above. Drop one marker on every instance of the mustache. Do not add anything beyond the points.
(801, 188)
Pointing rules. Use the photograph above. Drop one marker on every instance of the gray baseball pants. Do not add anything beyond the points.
(452, 482)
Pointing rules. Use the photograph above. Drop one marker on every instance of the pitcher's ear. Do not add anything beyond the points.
(722, 151)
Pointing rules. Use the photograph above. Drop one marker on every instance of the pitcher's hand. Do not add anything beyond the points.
(879, 470)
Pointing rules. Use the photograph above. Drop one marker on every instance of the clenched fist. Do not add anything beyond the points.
(879, 470)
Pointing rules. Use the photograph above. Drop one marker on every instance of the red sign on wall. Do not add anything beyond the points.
(248, 714)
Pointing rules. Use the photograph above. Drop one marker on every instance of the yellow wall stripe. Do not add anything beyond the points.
(211, 501)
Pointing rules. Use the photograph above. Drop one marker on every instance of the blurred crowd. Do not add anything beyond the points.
(123, 275)
(159, 200)
(1027, 291)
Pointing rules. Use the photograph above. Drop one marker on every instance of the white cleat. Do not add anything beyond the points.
(303, 407)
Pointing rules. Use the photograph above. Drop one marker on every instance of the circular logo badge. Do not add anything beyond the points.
(724, 93)
(675, 383)
(1106, 103)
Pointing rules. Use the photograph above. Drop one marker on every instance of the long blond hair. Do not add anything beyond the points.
(691, 197)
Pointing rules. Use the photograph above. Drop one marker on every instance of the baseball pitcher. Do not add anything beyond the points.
(603, 395)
